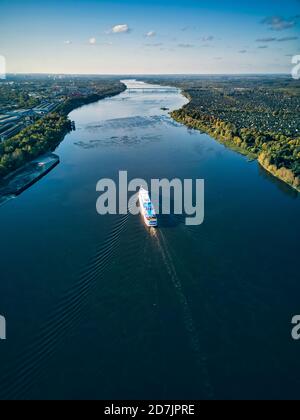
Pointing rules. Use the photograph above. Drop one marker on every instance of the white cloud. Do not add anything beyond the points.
(208, 38)
(185, 45)
(119, 29)
(68, 42)
(279, 23)
(92, 41)
(150, 34)
(159, 44)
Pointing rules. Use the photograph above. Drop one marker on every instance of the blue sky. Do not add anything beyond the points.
(138, 37)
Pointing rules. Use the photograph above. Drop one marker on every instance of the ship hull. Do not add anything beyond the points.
(147, 209)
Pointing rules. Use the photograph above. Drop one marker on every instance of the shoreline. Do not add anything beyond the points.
(286, 175)
(25, 177)
(48, 145)
(283, 174)
(75, 103)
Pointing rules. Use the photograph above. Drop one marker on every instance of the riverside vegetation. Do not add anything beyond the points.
(33, 141)
(258, 116)
(46, 133)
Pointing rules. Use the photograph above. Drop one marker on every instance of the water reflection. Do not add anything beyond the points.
(282, 186)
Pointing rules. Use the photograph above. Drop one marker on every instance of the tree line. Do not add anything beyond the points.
(278, 153)
(46, 134)
(33, 141)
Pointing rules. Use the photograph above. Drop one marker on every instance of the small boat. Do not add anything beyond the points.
(147, 208)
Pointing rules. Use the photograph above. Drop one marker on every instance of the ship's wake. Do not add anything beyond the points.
(192, 333)
(68, 314)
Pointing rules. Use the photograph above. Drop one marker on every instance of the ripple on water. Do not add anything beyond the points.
(117, 141)
(64, 318)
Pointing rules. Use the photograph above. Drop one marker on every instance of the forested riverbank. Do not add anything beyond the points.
(73, 103)
(35, 140)
(46, 133)
(256, 116)
(278, 154)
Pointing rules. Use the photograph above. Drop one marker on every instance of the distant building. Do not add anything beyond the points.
(12, 122)
(13, 131)
(9, 119)
(45, 108)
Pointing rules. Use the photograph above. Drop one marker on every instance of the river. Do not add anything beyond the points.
(99, 307)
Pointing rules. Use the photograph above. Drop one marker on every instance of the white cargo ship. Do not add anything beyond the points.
(147, 208)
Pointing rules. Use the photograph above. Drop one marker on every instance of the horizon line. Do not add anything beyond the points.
(144, 74)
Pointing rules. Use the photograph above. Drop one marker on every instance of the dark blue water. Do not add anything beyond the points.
(99, 307)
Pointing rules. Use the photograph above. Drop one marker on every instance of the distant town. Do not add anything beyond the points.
(23, 101)
(34, 113)
(257, 115)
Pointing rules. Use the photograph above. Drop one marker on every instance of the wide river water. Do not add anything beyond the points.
(101, 307)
